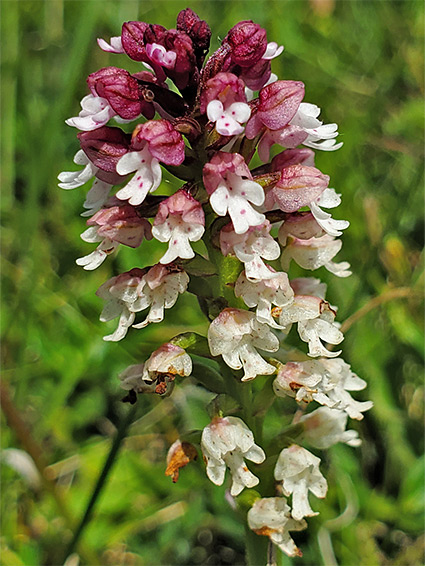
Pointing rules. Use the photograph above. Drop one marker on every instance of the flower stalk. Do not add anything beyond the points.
(240, 141)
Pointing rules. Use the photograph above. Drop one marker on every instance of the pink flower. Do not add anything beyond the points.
(224, 101)
(297, 186)
(277, 105)
(229, 183)
(180, 220)
(111, 227)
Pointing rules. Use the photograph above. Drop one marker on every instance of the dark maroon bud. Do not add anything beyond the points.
(105, 146)
(198, 30)
(132, 37)
(248, 42)
(120, 89)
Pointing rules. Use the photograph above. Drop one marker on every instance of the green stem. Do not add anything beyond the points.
(256, 548)
(109, 462)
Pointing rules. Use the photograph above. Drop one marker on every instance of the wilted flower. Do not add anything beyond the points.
(271, 516)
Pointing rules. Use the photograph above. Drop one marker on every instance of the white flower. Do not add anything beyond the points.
(320, 136)
(250, 247)
(298, 469)
(167, 359)
(315, 320)
(325, 427)
(120, 294)
(227, 442)
(180, 220)
(74, 179)
(273, 50)
(137, 290)
(235, 334)
(228, 121)
(314, 253)
(325, 381)
(159, 289)
(158, 54)
(96, 112)
(328, 199)
(271, 516)
(337, 381)
(263, 294)
(114, 45)
(96, 258)
(147, 178)
(96, 197)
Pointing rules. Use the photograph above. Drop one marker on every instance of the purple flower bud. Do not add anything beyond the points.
(248, 42)
(104, 147)
(256, 77)
(301, 156)
(278, 104)
(121, 224)
(165, 144)
(120, 89)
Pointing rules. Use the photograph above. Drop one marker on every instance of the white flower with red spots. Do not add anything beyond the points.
(235, 334)
(226, 443)
(271, 516)
(152, 142)
(318, 135)
(180, 220)
(298, 470)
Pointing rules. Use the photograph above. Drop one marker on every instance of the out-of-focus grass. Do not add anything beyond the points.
(362, 62)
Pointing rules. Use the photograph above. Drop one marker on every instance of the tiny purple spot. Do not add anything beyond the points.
(243, 211)
(243, 193)
(138, 178)
(141, 184)
(174, 242)
(227, 124)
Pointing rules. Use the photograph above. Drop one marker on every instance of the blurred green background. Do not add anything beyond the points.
(362, 62)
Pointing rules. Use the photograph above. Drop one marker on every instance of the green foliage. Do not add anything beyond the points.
(362, 62)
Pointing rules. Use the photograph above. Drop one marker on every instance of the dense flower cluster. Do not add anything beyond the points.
(214, 124)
